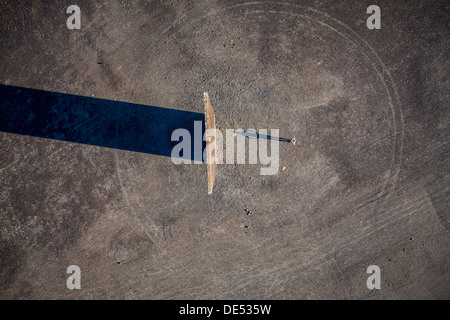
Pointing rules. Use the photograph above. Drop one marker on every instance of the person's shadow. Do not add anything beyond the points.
(99, 122)
(251, 134)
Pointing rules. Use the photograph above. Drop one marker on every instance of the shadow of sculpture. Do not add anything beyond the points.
(92, 121)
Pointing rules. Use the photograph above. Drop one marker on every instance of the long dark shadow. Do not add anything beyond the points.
(98, 122)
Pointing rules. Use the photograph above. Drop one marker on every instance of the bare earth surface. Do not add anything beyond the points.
(366, 184)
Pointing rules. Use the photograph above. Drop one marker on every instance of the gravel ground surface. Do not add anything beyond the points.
(366, 184)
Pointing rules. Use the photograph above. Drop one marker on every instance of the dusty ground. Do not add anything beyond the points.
(367, 184)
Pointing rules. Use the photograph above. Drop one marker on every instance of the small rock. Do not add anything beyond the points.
(284, 168)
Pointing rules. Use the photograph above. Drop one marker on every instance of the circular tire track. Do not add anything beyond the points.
(180, 30)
